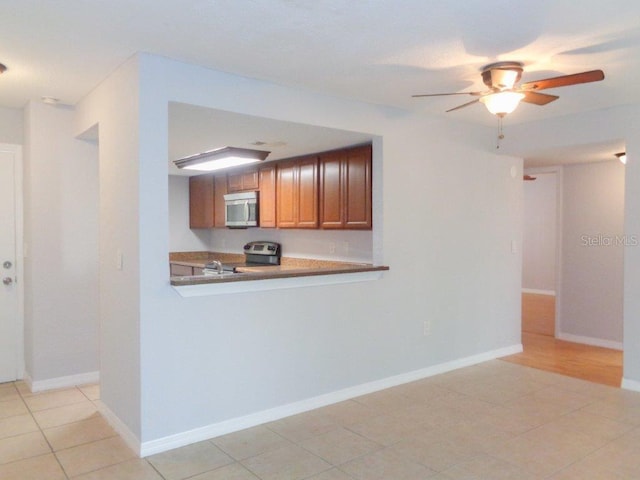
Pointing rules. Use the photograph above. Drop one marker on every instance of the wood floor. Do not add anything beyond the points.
(538, 313)
(596, 364)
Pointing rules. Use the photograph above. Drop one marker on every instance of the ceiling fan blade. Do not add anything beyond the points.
(463, 105)
(538, 98)
(564, 80)
(447, 94)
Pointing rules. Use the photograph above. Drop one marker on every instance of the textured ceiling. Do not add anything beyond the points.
(377, 51)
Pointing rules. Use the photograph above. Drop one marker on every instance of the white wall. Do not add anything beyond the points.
(631, 308)
(350, 245)
(61, 236)
(601, 126)
(113, 110)
(246, 353)
(539, 230)
(11, 125)
(592, 251)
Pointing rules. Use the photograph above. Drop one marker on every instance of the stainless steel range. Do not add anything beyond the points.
(257, 254)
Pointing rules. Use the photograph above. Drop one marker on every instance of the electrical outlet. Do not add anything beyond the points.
(426, 328)
(345, 246)
(332, 247)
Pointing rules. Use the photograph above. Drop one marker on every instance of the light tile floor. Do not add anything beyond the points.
(492, 421)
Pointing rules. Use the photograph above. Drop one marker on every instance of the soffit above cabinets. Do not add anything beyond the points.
(194, 129)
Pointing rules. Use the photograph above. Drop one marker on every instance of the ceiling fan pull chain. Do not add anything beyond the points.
(500, 133)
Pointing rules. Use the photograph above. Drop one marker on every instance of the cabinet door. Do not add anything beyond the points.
(250, 180)
(307, 193)
(241, 181)
(220, 184)
(180, 270)
(267, 185)
(331, 190)
(234, 182)
(201, 201)
(357, 191)
(286, 195)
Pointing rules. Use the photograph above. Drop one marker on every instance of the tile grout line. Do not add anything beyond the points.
(93, 402)
(40, 429)
(52, 450)
(156, 470)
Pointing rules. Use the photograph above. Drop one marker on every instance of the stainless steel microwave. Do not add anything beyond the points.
(241, 209)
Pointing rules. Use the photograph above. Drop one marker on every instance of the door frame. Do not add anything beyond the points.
(557, 171)
(16, 150)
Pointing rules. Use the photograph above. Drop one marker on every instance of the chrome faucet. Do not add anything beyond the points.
(218, 265)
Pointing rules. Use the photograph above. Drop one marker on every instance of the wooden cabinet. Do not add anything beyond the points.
(330, 191)
(297, 193)
(242, 181)
(220, 189)
(357, 204)
(179, 270)
(206, 201)
(267, 199)
(345, 189)
(201, 199)
(285, 195)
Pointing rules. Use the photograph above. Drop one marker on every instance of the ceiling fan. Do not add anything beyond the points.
(504, 95)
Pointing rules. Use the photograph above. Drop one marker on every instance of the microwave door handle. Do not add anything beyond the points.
(246, 211)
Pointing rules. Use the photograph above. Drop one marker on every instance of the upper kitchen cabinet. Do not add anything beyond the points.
(345, 189)
(206, 200)
(329, 190)
(267, 184)
(201, 201)
(220, 189)
(297, 193)
(242, 181)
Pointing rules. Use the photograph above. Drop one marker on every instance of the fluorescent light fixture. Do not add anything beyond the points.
(501, 103)
(622, 156)
(225, 157)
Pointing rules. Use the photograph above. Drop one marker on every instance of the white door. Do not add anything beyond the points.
(10, 292)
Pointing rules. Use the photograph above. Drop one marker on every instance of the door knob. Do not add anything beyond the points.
(7, 280)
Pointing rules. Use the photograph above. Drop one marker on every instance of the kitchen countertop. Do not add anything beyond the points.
(289, 267)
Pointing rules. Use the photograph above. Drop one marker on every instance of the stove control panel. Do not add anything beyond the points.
(262, 248)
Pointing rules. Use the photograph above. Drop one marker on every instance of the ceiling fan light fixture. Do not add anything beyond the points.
(501, 103)
(220, 158)
(504, 79)
(622, 156)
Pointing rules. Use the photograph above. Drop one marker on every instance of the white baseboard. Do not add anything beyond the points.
(132, 441)
(539, 292)
(596, 342)
(630, 385)
(61, 382)
(233, 425)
